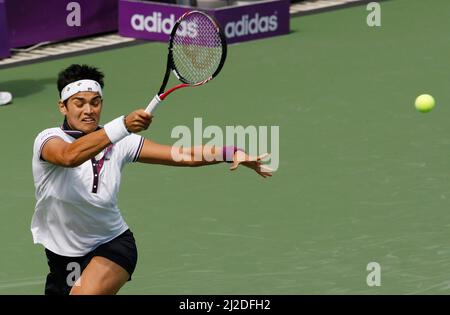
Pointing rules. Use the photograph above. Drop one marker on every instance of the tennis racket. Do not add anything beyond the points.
(197, 53)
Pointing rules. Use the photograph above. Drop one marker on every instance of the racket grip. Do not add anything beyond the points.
(153, 104)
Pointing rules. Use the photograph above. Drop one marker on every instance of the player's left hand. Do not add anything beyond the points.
(251, 162)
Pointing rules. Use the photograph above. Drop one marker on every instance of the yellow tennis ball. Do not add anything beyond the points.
(425, 103)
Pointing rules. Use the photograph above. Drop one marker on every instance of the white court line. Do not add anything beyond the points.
(24, 282)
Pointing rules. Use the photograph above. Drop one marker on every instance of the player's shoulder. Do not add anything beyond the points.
(49, 132)
(130, 140)
(130, 147)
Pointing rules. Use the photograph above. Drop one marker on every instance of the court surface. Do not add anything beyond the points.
(363, 177)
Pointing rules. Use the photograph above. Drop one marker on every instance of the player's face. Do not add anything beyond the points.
(83, 111)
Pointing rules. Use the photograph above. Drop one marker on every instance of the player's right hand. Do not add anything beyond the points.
(138, 120)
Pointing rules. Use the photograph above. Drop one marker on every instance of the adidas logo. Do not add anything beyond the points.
(156, 24)
(255, 25)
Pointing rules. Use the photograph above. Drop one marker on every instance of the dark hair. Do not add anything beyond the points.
(79, 72)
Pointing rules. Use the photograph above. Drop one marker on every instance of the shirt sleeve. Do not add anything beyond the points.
(42, 138)
(130, 148)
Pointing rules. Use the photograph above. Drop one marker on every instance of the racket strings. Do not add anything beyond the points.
(197, 49)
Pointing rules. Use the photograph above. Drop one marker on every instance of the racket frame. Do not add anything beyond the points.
(170, 66)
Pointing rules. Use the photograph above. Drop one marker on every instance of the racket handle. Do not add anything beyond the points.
(153, 104)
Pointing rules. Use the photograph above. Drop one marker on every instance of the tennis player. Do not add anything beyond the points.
(77, 173)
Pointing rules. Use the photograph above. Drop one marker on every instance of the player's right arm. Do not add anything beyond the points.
(59, 152)
(62, 153)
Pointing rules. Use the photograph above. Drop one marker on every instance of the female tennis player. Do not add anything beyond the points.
(77, 172)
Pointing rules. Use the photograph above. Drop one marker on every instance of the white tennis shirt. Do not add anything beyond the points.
(76, 208)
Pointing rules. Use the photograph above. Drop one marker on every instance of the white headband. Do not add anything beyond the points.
(80, 86)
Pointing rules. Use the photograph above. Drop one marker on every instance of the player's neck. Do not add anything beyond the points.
(71, 131)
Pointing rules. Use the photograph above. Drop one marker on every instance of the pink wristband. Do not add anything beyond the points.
(229, 151)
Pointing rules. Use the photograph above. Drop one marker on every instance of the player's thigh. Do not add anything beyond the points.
(101, 276)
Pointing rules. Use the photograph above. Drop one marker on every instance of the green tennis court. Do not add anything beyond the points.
(363, 176)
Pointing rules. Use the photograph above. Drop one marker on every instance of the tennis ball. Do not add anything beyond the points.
(425, 103)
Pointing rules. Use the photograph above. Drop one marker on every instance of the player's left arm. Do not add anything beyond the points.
(154, 153)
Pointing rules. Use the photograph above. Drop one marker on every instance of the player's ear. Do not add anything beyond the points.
(62, 108)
